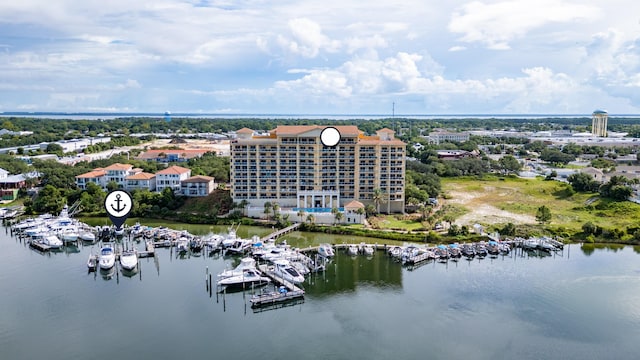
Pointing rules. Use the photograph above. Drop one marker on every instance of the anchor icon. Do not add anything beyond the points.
(118, 201)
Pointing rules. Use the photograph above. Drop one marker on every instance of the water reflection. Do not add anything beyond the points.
(344, 273)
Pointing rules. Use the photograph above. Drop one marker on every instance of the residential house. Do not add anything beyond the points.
(198, 185)
(118, 172)
(351, 212)
(141, 181)
(171, 177)
(97, 176)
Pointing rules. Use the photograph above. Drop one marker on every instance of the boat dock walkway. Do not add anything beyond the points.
(271, 298)
(345, 246)
(277, 234)
(268, 271)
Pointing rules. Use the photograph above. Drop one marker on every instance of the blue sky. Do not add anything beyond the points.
(321, 57)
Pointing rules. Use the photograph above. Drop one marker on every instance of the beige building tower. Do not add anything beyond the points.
(599, 123)
(289, 166)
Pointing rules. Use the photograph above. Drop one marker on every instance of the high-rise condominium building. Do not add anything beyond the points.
(291, 167)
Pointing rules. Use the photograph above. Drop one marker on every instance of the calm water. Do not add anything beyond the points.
(581, 304)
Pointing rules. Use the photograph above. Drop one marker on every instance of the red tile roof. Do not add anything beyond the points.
(120, 167)
(173, 170)
(92, 174)
(198, 179)
(141, 176)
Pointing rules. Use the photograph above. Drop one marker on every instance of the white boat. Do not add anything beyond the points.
(118, 231)
(87, 236)
(245, 263)
(107, 257)
(246, 276)
(352, 250)
(230, 239)
(326, 250)
(92, 263)
(182, 245)
(368, 250)
(129, 260)
(69, 234)
(283, 269)
(52, 241)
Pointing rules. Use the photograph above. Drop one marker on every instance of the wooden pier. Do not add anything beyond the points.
(277, 234)
(39, 246)
(149, 252)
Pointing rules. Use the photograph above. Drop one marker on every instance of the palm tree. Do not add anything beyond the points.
(301, 214)
(369, 210)
(377, 198)
(267, 208)
(276, 209)
(243, 204)
(360, 212)
(311, 218)
(338, 216)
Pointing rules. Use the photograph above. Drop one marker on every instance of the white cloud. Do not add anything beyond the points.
(307, 39)
(496, 24)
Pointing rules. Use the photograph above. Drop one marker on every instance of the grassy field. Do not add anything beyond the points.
(524, 196)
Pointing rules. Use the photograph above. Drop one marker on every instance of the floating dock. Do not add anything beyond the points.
(287, 292)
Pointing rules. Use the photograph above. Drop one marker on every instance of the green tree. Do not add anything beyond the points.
(509, 164)
(49, 200)
(543, 215)
(582, 182)
(267, 208)
(337, 217)
(377, 198)
(311, 219)
(360, 211)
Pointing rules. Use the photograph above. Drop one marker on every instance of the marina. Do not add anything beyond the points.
(545, 297)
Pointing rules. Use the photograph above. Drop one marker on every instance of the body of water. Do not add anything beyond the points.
(583, 303)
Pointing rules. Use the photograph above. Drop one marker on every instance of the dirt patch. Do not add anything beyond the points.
(481, 211)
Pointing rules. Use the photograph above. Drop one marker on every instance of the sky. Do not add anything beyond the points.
(420, 57)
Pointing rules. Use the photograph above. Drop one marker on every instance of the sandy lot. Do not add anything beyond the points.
(481, 211)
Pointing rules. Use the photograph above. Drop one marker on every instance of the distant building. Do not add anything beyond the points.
(175, 155)
(599, 123)
(438, 137)
(198, 185)
(455, 154)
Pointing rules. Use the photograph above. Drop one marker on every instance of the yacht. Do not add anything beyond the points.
(368, 250)
(182, 245)
(242, 277)
(326, 250)
(245, 263)
(283, 269)
(107, 257)
(352, 250)
(129, 260)
(52, 241)
(87, 235)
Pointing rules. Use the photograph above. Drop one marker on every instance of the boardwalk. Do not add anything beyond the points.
(277, 234)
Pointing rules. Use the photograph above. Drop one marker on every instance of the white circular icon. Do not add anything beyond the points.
(330, 137)
(118, 203)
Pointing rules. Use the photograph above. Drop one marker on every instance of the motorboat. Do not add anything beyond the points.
(240, 246)
(245, 263)
(442, 253)
(368, 250)
(86, 235)
(326, 250)
(118, 231)
(454, 250)
(283, 269)
(69, 234)
(352, 250)
(52, 241)
(92, 263)
(129, 259)
(107, 257)
(230, 239)
(243, 277)
(182, 245)
(468, 251)
(195, 244)
(493, 248)
(481, 249)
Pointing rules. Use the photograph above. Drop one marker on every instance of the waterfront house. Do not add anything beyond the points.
(198, 185)
(171, 177)
(118, 172)
(351, 212)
